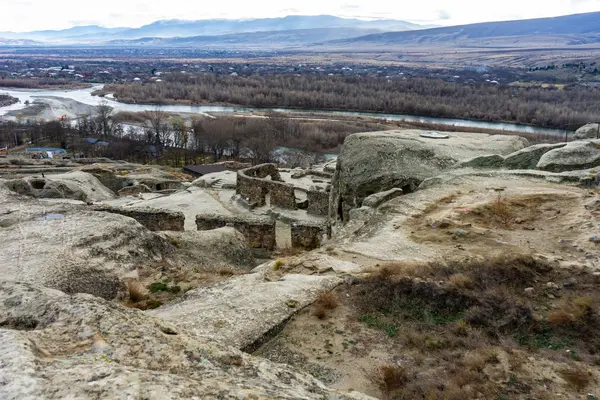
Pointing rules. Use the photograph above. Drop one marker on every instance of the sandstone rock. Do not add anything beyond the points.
(374, 162)
(485, 161)
(589, 131)
(49, 350)
(377, 199)
(573, 156)
(243, 309)
(151, 218)
(133, 190)
(76, 250)
(73, 185)
(528, 157)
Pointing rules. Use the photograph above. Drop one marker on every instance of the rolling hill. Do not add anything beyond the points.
(568, 30)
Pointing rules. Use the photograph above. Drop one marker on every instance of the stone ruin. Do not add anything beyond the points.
(259, 232)
(256, 183)
(307, 235)
(153, 219)
(253, 186)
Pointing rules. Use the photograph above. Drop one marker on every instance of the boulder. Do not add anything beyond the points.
(75, 185)
(59, 346)
(485, 161)
(574, 156)
(589, 131)
(377, 199)
(374, 162)
(529, 157)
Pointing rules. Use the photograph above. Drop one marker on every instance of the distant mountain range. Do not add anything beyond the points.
(325, 32)
(185, 29)
(566, 30)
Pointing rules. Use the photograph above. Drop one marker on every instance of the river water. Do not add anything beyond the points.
(84, 96)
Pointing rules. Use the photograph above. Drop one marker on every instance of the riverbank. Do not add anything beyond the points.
(85, 97)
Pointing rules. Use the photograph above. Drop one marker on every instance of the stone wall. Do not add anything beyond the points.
(318, 202)
(153, 219)
(253, 186)
(259, 232)
(307, 235)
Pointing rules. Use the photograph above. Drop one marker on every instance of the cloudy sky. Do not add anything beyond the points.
(25, 15)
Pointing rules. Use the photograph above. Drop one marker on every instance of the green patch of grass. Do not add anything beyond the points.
(158, 287)
(373, 321)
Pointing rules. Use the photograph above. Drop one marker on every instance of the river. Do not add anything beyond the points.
(85, 96)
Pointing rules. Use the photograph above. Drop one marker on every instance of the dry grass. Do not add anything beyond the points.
(326, 301)
(576, 377)
(329, 300)
(460, 281)
(228, 271)
(137, 292)
(278, 264)
(390, 377)
(572, 311)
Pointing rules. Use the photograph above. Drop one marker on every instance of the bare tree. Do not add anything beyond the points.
(104, 120)
(158, 129)
(260, 142)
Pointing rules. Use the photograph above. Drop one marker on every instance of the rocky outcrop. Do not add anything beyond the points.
(374, 162)
(529, 157)
(243, 310)
(74, 249)
(485, 161)
(134, 190)
(58, 346)
(574, 156)
(589, 131)
(75, 185)
(217, 180)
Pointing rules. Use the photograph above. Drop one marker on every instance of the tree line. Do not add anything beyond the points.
(170, 140)
(563, 108)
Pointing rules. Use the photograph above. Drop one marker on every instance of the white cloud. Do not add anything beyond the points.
(23, 15)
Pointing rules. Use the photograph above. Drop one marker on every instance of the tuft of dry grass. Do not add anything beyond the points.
(461, 281)
(572, 311)
(390, 377)
(278, 264)
(576, 377)
(326, 301)
(137, 292)
(329, 300)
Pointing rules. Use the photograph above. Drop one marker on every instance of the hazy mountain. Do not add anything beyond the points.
(18, 42)
(181, 28)
(269, 39)
(572, 29)
(65, 35)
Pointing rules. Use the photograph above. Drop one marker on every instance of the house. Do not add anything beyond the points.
(203, 169)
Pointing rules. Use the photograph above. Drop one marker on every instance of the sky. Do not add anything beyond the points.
(27, 15)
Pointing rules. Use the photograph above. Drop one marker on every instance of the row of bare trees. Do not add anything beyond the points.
(558, 107)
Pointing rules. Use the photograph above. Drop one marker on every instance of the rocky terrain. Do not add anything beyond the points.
(458, 268)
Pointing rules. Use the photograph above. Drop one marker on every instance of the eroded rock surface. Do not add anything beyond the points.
(57, 346)
(242, 310)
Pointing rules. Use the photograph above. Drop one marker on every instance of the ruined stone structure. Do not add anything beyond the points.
(307, 235)
(253, 186)
(259, 232)
(318, 202)
(153, 219)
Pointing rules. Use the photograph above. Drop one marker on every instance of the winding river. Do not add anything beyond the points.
(84, 96)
